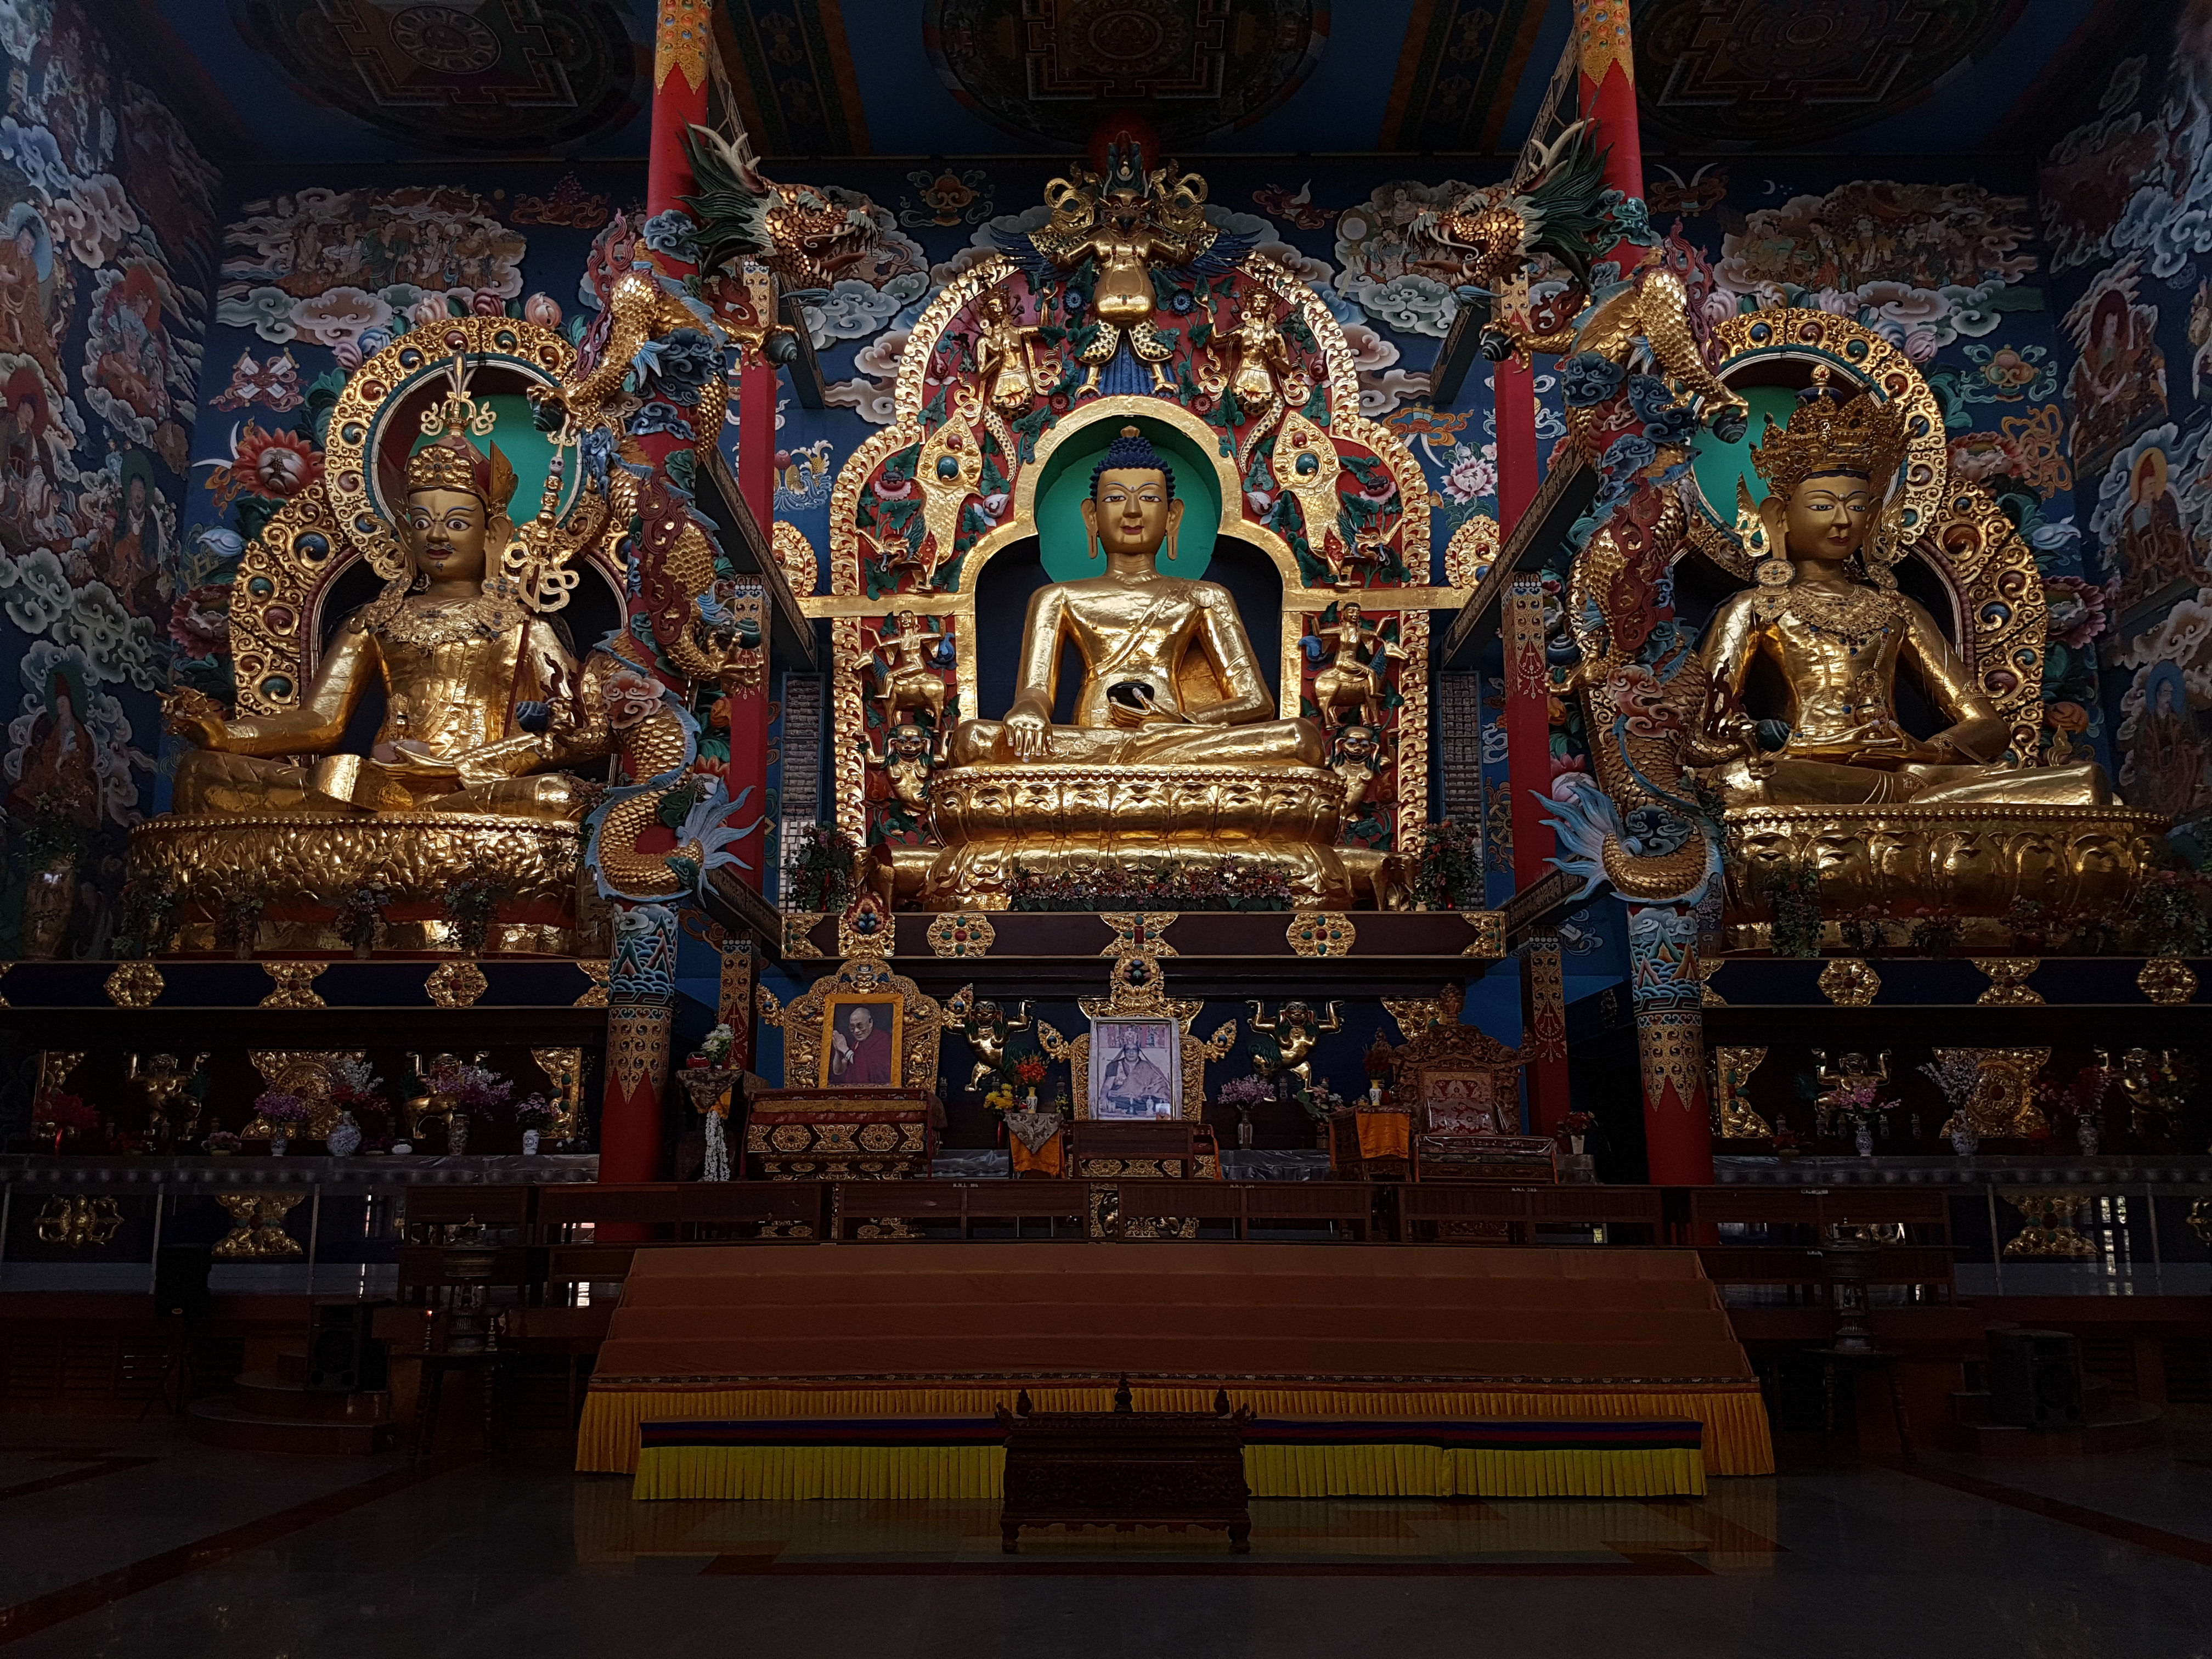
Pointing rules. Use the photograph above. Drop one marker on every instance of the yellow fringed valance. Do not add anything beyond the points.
(792, 1472)
(1736, 1438)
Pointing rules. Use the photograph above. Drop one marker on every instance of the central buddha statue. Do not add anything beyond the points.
(1174, 752)
(1839, 638)
(481, 694)
(1138, 631)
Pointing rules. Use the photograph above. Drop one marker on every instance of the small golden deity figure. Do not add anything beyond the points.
(166, 1081)
(1295, 1029)
(1005, 354)
(910, 681)
(1129, 220)
(1355, 676)
(1827, 614)
(482, 696)
(1137, 631)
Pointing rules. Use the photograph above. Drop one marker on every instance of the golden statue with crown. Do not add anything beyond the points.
(480, 693)
(1826, 613)
(402, 579)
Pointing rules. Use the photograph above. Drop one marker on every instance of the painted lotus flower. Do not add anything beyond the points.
(2076, 610)
(1474, 474)
(280, 463)
(199, 621)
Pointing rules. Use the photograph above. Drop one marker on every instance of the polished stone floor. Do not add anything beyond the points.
(126, 1538)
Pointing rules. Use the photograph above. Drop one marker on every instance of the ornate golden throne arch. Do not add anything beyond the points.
(952, 484)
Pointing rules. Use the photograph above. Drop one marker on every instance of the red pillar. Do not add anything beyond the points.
(1666, 991)
(641, 982)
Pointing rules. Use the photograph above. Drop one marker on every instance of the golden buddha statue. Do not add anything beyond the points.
(1839, 638)
(1146, 697)
(481, 694)
(1174, 752)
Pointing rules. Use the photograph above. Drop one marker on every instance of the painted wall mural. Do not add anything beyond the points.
(2125, 202)
(107, 220)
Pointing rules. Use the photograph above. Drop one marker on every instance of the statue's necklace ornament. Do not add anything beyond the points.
(478, 617)
(1856, 615)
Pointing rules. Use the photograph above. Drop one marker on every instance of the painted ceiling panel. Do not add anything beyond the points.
(335, 81)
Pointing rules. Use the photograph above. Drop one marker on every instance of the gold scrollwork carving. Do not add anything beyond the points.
(2049, 1234)
(305, 1072)
(595, 993)
(2167, 981)
(134, 984)
(294, 983)
(1848, 983)
(2008, 987)
(456, 984)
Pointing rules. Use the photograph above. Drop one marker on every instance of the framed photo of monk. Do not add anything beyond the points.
(1136, 1069)
(861, 1042)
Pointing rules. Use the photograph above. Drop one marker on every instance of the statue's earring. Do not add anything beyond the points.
(1768, 568)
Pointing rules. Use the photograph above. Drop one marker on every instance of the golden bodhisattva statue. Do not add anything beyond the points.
(1175, 750)
(1138, 631)
(1839, 638)
(482, 696)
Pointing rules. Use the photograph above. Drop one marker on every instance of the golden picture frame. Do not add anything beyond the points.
(863, 1038)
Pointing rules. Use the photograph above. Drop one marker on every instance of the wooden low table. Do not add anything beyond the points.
(1114, 1149)
(1124, 1470)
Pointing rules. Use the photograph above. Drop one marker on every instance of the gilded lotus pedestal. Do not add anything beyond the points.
(1971, 861)
(997, 823)
(302, 869)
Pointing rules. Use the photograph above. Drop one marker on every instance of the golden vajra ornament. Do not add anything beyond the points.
(2049, 1233)
(78, 1223)
(256, 1227)
(295, 985)
(2008, 987)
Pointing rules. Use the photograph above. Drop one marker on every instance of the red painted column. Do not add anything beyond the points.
(641, 979)
(1666, 990)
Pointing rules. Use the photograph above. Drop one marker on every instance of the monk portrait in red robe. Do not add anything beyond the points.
(861, 1053)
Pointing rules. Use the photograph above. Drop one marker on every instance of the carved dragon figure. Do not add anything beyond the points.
(1638, 383)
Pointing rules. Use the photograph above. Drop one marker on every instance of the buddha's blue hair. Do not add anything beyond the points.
(1131, 452)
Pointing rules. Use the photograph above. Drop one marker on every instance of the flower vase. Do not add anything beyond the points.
(362, 950)
(1862, 1137)
(530, 1143)
(2086, 1135)
(1244, 1128)
(457, 1134)
(278, 1140)
(1964, 1141)
(1575, 1145)
(344, 1138)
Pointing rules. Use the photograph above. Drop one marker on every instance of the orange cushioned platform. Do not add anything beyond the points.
(1294, 1329)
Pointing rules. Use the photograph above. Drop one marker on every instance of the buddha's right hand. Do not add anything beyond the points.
(196, 717)
(1028, 731)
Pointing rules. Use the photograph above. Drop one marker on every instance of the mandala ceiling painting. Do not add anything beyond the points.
(470, 76)
(1193, 69)
(1769, 70)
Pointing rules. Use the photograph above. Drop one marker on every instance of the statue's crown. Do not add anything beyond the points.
(453, 463)
(1865, 436)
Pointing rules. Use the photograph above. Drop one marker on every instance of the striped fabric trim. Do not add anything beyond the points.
(1538, 1434)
